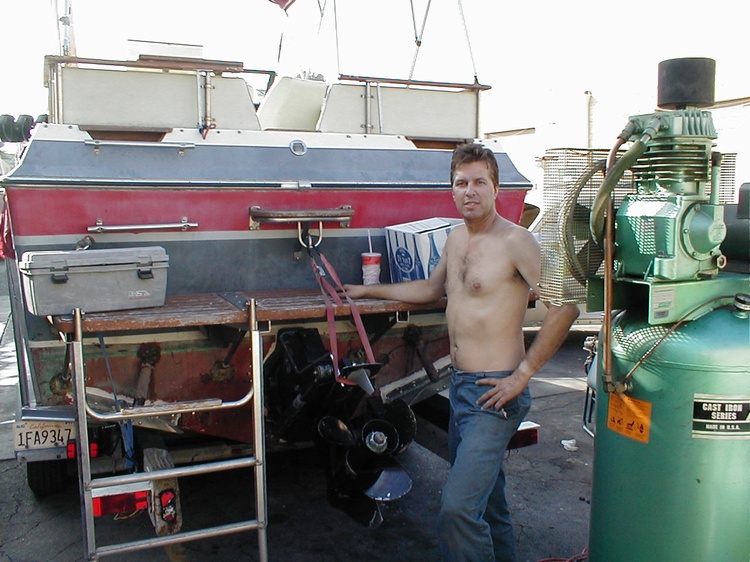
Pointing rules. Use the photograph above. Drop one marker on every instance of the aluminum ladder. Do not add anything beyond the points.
(87, 484)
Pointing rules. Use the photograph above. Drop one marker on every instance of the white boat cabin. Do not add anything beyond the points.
(159, 94)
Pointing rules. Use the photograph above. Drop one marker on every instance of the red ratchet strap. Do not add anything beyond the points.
(329, 293)
(326, 290)
(354, 309)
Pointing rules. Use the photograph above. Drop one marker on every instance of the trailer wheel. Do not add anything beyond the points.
(46, 477)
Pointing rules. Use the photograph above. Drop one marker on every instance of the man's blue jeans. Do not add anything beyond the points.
(474, 523)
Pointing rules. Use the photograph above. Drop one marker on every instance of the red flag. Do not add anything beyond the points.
(283, 4)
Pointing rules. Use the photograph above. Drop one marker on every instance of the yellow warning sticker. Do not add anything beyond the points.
(629, 417)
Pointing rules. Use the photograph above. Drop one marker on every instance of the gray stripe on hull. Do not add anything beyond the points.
(74, 162)
(223, 265)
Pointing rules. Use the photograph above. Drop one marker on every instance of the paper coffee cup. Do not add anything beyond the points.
(371, 268)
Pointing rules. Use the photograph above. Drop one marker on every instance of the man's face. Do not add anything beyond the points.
(473, 191)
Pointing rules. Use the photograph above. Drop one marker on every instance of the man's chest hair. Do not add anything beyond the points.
(480, 272)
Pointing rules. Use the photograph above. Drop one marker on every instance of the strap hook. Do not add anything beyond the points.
(306, 239)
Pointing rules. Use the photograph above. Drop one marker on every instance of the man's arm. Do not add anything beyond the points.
(552, 334)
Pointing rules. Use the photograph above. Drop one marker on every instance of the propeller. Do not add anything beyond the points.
(363, 471)
(359, 433)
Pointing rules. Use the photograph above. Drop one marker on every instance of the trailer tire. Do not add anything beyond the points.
(46, 478)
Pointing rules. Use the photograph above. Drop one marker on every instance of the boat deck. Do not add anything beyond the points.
(184, 311)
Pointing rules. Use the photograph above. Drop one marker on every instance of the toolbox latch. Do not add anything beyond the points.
(59, 277)
(145, 265)
(59, 271)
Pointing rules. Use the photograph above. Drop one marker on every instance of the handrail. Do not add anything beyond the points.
(183, 225)
(341, 215)
(175, 472)
(402, 81)
(177, 538)
(168, 409)
(87, 485)
(161, 62)
(177, 145)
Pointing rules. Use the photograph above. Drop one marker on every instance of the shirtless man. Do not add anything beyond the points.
(487, 268)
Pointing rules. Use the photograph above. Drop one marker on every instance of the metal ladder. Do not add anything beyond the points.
(88, 485)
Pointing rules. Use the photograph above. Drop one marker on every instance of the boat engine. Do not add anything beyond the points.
(672, 441)
(359, 434)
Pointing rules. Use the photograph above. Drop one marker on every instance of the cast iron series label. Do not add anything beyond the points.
(721, 417)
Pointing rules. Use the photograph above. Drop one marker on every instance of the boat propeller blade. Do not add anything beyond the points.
(378, 476)
(335, 431)
(400, 415)
(392, 483)
(361, 374)
(364, 510)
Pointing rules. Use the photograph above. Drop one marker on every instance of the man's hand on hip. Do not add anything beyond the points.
(501, 392)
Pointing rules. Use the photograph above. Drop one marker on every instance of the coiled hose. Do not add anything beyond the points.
(584, 263)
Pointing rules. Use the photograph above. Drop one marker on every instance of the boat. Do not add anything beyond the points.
(237, 203)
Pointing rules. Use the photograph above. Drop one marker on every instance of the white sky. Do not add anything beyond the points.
(539, 56)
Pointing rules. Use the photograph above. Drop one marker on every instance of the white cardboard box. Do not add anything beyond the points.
(414, 248)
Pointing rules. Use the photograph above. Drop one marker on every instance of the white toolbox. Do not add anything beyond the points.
(57, 282)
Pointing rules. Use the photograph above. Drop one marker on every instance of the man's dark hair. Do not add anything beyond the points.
(472, 152)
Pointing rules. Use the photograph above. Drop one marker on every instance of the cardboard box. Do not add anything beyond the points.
(414, 248)
(94, 280)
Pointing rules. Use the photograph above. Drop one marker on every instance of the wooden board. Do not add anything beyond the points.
(184, 311)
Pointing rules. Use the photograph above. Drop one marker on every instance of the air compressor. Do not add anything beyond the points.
(671, 480)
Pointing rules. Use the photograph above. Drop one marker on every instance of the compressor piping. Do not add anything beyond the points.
(680, 322)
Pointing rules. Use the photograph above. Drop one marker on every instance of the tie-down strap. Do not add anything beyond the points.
(332, 295)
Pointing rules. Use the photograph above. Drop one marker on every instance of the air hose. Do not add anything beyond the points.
(608, 186)
(613, 176)
(584, 263)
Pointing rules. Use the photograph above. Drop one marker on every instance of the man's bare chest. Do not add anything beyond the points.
(480, 272)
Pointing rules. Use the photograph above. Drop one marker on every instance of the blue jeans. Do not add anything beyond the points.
(474, 523)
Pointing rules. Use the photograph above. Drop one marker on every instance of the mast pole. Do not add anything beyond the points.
(67, 40)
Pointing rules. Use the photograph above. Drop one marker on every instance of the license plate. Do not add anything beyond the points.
(42, 434)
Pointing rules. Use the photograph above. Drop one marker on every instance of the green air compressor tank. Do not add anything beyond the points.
(672, 455)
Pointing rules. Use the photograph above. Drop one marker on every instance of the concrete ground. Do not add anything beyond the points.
(548, 488)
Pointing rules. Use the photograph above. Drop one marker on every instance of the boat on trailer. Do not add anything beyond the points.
(165, 178)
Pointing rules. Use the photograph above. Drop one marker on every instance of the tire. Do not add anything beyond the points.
(6, 127)
(46, 478)
(23, 127)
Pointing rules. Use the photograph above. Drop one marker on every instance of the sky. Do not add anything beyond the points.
(539, 57)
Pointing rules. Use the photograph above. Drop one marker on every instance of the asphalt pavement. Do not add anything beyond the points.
(548, 489)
